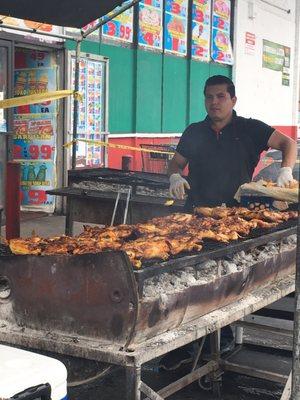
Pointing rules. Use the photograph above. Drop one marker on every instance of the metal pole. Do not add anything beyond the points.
(76, 103)
(12, 201)
(295, 395)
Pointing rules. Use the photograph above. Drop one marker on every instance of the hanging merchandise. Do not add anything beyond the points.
(175, 34)
(91, 113)
(121, 27)
(221, 49)
(150, 23)
(35, 128)
(201, 27)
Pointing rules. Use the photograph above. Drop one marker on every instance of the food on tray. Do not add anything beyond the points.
(270, 184)
(159, 238)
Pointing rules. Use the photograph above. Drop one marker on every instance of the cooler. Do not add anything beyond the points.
(22, 370)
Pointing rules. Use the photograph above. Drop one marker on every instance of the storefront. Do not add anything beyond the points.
(34, 135)
(29, 134)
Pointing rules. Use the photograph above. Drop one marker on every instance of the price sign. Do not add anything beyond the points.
(33, 151)
(43, 152)
(120, 27)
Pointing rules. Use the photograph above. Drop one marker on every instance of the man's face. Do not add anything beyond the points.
(218, 102)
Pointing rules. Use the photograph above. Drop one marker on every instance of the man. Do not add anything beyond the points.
(223, 150)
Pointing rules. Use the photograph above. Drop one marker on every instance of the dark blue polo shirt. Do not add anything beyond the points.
(220, 163)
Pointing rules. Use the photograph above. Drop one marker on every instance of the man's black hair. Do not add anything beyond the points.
(220, 80)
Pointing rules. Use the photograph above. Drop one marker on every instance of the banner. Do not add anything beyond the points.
(37, 177)
(150, 23)
(34, 136)
(91, 109)
(121, 27)
(221, 50)
(30, 81)
(35, 127)
(278, 58)
(176, 26)
(273, 55)
(201, 30)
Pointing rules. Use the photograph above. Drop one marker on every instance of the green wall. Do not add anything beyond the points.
(151, 92)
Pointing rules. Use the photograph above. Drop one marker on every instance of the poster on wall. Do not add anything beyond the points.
(175, 34)
(221, 50)
(277, 58)
(35, 127)
(91, 110)
(121, 27)
(150, 23)
(250, 40)
(201, 30)
(34, 136)
(273, 55)
(28, 81)
(37, 176)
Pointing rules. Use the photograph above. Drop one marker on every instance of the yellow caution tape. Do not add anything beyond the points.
(38, 98)
(117, 146)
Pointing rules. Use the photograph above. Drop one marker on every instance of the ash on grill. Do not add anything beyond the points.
(210, 270)
(115, 187)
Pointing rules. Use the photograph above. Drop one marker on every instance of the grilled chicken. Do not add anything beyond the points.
(159, 238)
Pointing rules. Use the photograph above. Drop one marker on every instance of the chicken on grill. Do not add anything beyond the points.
(159, 238)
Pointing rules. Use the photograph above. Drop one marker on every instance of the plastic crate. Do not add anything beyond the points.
(156, 162)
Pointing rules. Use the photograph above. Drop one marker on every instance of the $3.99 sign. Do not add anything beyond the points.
(118, 30)
(33, 151)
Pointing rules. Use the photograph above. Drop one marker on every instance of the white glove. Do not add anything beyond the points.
(285, 176)
(177, 186)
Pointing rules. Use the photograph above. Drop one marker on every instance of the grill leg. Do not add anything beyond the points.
(215, 355)
(69, 217)
(239, 335)
(133, 380)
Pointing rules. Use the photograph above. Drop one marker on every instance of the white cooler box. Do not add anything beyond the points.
(22, 370)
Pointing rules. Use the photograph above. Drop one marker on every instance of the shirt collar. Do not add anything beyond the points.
(234, 116)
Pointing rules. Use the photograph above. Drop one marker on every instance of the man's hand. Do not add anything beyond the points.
(285, 177)
(177, 186)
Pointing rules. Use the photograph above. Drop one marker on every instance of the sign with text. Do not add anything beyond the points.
(221, 50)
(37, 177)
(150, 23)
(176, 26)
(121, 27)
(35, 127)
(201, 30)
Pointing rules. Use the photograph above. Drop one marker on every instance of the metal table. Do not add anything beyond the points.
(134, 357)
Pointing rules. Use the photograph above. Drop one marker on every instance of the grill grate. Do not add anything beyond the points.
(214, 250)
